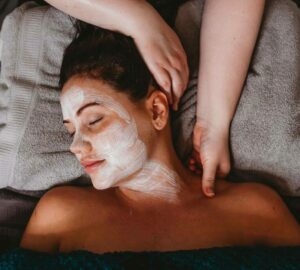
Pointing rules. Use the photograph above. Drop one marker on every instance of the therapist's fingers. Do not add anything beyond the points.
(208, 179)
(178, 86)
(224, 168)
(164, 81)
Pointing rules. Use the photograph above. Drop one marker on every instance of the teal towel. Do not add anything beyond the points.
(283, 258)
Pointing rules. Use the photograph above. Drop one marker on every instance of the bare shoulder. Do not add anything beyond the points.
(265, 213)
(260, 198)
(61, 203)
(58, 212)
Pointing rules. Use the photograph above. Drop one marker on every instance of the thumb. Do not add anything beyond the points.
(208, 179)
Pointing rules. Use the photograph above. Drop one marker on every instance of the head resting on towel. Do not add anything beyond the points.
(118, 118)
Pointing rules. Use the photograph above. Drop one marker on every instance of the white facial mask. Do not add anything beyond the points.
(124, 153)
(156, 180)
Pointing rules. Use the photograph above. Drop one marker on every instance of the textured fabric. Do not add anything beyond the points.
(34, 146)
(265, 131)
(206, 259)
(0, 48)
(15, 211)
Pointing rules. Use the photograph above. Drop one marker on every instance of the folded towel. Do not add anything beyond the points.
(34, 145)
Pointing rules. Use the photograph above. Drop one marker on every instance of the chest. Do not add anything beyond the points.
(162, 231)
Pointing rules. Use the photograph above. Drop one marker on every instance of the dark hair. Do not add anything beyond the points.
(108, 56)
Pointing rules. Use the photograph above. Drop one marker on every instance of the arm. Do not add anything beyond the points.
(228, 35)
(157, 42)
(114, 15)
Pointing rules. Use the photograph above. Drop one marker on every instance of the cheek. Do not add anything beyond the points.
(119, 144)
(111, 140)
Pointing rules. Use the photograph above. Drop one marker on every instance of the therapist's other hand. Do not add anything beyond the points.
(211, 154)
(164, 55)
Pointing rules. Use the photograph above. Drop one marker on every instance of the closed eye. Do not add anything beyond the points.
(96, 121)
(90, 124)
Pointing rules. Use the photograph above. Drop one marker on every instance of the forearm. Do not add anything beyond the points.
(228, 35)
(123, 16)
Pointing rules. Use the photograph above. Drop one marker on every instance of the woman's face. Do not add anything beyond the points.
(105, 135)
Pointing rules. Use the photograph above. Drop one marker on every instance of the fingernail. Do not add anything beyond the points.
(210, 192)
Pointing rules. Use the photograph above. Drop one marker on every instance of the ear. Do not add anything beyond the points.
(158, 107)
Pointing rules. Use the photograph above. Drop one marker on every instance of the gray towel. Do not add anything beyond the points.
(34, 145)
(265, 132)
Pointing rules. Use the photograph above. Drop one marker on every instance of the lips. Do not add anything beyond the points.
(91, 166)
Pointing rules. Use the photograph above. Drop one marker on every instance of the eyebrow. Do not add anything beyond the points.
(82, 108)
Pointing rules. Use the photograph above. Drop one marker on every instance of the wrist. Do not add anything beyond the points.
(143, 20)
(221, 123)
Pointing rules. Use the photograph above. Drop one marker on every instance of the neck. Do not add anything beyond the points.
(163, 178)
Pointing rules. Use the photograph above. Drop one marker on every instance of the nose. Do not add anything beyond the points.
(80, 145)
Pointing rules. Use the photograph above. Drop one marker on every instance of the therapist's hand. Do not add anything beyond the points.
(158, 44)
(210, 155)
(164, 55)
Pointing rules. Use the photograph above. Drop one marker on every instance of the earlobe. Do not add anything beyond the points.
(159, 109)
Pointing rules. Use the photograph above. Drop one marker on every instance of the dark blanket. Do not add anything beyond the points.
(15, 211)
(216, 258)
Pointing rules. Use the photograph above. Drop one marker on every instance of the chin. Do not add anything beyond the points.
(102, 184)
(106, 180)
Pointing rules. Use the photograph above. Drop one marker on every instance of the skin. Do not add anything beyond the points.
(126, 219)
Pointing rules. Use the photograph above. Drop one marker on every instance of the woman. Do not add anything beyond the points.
(143, 197)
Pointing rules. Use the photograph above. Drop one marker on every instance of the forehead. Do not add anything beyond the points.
(78, 93)
(78, 89)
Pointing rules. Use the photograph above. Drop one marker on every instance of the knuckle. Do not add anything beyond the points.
(166, 85)
(209, 180)
(176, 62)
(225, 168)
(180, 88)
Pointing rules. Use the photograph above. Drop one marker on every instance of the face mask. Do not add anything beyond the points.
(119, 145)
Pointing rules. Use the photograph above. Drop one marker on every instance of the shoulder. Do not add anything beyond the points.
(70, 200)
(60, 210)
(49, 219)
(254, 194)
(265, 214)
(257, 198)
(59, 202)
